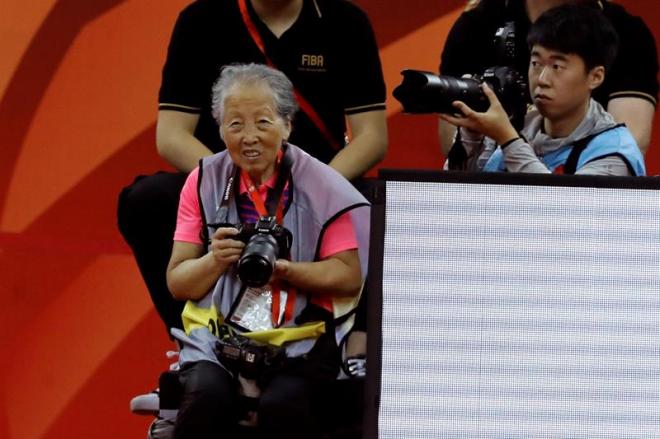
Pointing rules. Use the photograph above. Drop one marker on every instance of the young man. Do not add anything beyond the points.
(629, 91)
(572, 46)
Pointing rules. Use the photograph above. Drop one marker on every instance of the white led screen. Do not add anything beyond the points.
(519, 311)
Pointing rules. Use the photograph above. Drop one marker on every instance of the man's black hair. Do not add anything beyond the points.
(577, 28)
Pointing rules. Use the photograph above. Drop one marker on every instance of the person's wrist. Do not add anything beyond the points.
(507, 137)
(282, 268)
(509, 142)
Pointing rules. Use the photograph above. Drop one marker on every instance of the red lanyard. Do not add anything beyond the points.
(258, 202)
(259, 205)
(305, 106)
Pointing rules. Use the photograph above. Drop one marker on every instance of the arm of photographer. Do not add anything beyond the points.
(519, 156)
(337, 272)
(636, 113)
(337, 275)
(493, 123)
(191, 273)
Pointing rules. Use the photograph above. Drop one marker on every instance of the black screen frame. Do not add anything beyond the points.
(378, 227)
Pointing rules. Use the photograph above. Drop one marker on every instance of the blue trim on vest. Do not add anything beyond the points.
(495, 162)
(618, 141)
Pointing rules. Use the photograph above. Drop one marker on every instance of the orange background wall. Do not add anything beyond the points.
(78, 91)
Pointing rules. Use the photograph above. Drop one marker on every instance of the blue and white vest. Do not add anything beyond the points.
(614, 141)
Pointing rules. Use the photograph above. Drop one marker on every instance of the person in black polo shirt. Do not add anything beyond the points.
(630, 89)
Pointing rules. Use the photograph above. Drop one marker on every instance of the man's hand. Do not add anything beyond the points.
(494, 123)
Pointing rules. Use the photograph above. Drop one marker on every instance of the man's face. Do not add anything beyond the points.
(559, 83)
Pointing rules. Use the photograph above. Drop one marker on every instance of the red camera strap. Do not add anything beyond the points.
(258, 202)
(305, 105)
(256, 197)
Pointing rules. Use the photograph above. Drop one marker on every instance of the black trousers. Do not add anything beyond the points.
(146, 217)
(209, 405)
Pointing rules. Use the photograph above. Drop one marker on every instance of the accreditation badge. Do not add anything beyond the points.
(251, 311)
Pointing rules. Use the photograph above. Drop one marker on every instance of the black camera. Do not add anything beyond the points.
(425, 92)
(247, 357)
(265, 242)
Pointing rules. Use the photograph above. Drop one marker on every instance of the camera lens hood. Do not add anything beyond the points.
(424, 92)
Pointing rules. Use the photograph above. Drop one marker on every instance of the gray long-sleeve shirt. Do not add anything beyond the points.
(523, 155)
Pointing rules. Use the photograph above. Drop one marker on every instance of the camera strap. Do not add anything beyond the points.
(274, 202)
(305, 105)
(257, 200)
(457, 156)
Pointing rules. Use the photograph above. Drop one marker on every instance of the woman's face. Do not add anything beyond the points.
(252, 130)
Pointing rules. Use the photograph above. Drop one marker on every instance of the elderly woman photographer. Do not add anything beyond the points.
(304, 306)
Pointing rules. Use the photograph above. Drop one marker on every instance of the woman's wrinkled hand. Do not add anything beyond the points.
(226, 250)
(281, 269)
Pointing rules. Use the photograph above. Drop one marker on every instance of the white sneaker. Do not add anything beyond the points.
(173, 355)
(147, 404)
(356, 367)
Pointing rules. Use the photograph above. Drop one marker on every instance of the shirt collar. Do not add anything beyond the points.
(269, 184)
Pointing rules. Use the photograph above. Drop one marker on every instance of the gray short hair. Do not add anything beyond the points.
(253, 74)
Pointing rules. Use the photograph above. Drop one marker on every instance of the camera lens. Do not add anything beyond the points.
(257, 261)
(424, 92)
